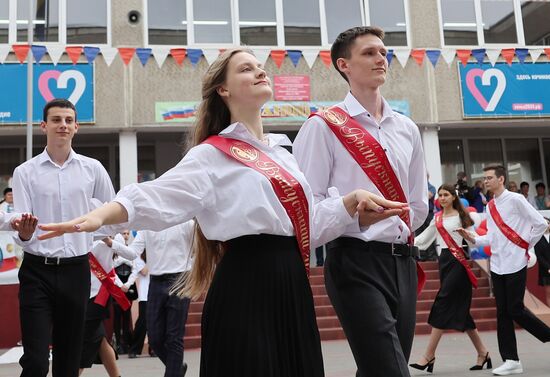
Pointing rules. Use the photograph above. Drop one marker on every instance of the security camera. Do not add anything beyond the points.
(133, 17)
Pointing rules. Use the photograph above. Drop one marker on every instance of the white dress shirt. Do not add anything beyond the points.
(325, 163)
(56, 194)
(104, 255)
(168, 251)
(227, 198)
(431, 234)
(519, 215)
(142, 281)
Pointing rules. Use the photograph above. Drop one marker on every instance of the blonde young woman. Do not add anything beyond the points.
(258, 317)
(451, 308)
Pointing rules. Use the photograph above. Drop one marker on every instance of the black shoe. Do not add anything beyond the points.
(131, 355)
(183, 369)
(429, 366)
(486, 360)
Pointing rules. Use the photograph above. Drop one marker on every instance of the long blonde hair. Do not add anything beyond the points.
(212, 117)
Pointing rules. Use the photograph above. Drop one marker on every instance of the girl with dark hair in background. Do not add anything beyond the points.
(451, 308)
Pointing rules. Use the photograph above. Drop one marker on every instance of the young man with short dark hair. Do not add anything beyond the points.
(57, 185)
(370, 273)
(513, 226)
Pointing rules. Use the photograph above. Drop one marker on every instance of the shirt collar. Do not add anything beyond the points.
(44, 157)
(355, 108)
(239, 131)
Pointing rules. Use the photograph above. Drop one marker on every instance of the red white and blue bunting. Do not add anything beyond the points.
(278, 56)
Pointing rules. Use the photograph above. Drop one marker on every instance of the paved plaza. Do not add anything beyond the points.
(455, 356)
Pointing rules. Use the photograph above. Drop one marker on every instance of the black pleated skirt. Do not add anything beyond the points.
(258, 318)
(94, 332)
(451, 308)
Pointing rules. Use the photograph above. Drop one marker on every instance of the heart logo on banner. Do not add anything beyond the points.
(62, 79)
(486, 77)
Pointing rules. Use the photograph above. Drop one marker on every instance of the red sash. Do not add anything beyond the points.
(456, 250)
(108, 286)
(506, 230)
(371, 157)
(286, 187)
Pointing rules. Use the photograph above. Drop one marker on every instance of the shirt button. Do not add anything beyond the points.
(368, 115)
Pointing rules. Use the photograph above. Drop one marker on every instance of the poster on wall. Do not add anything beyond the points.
(291, 87)
(505, 91)
(73, 82)
(272, 112)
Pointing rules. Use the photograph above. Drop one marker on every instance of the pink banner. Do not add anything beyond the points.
(291, 87)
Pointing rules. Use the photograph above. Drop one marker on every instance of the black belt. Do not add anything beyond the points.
(166, 277)
(395, 249)
(55, 261)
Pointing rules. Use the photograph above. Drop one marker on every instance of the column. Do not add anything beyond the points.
(430, 143)
(128, 157)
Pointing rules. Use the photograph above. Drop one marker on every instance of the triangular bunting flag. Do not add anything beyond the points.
(126, 54)
(389, 57)
(479, 55)
(38, 52)
(508, 54)
(21, 51)
(4, 51)
(55, 52)
(547, 52)
(433, 56)
(194, 55)
(402, 56)
(278, 56)
(90, 52)
(143, 55)
(463, 56)
(109, 54)
(310, 56)
(535, 54)
(522, 53)
(493, 56)
(418, 55)
(448, 56)
(325, 57)
(210, 54)
(294, 56)
(261, 54)
(178, 54)
(74, 53)
(160, 54)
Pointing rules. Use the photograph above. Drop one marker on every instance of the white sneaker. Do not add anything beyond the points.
(509, 367)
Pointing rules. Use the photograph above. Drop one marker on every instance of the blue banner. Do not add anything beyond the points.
(73, 82)
(505, 91)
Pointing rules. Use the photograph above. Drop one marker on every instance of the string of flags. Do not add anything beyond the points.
(160, 53)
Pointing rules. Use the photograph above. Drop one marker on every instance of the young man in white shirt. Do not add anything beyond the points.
(168, 256)
(509, 264)
(370, 273)
(56, 185)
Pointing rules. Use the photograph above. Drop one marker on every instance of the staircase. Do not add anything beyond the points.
(483, 307)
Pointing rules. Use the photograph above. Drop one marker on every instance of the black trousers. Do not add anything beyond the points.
(509, 290)
(166, 317)
(140, 330)
(374, 295)
(52, 305)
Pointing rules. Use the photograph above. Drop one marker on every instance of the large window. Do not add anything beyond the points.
(486, 22)
(258, 22)
(452, 159)
(523, 158)
(483, 152)
(56, 21)
(270, 22)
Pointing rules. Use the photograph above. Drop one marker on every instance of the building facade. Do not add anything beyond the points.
(130, 133)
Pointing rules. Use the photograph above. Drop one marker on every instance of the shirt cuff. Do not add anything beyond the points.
(127, 204)
(341, 212)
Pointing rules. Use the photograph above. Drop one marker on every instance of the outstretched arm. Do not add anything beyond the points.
(110, 213)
